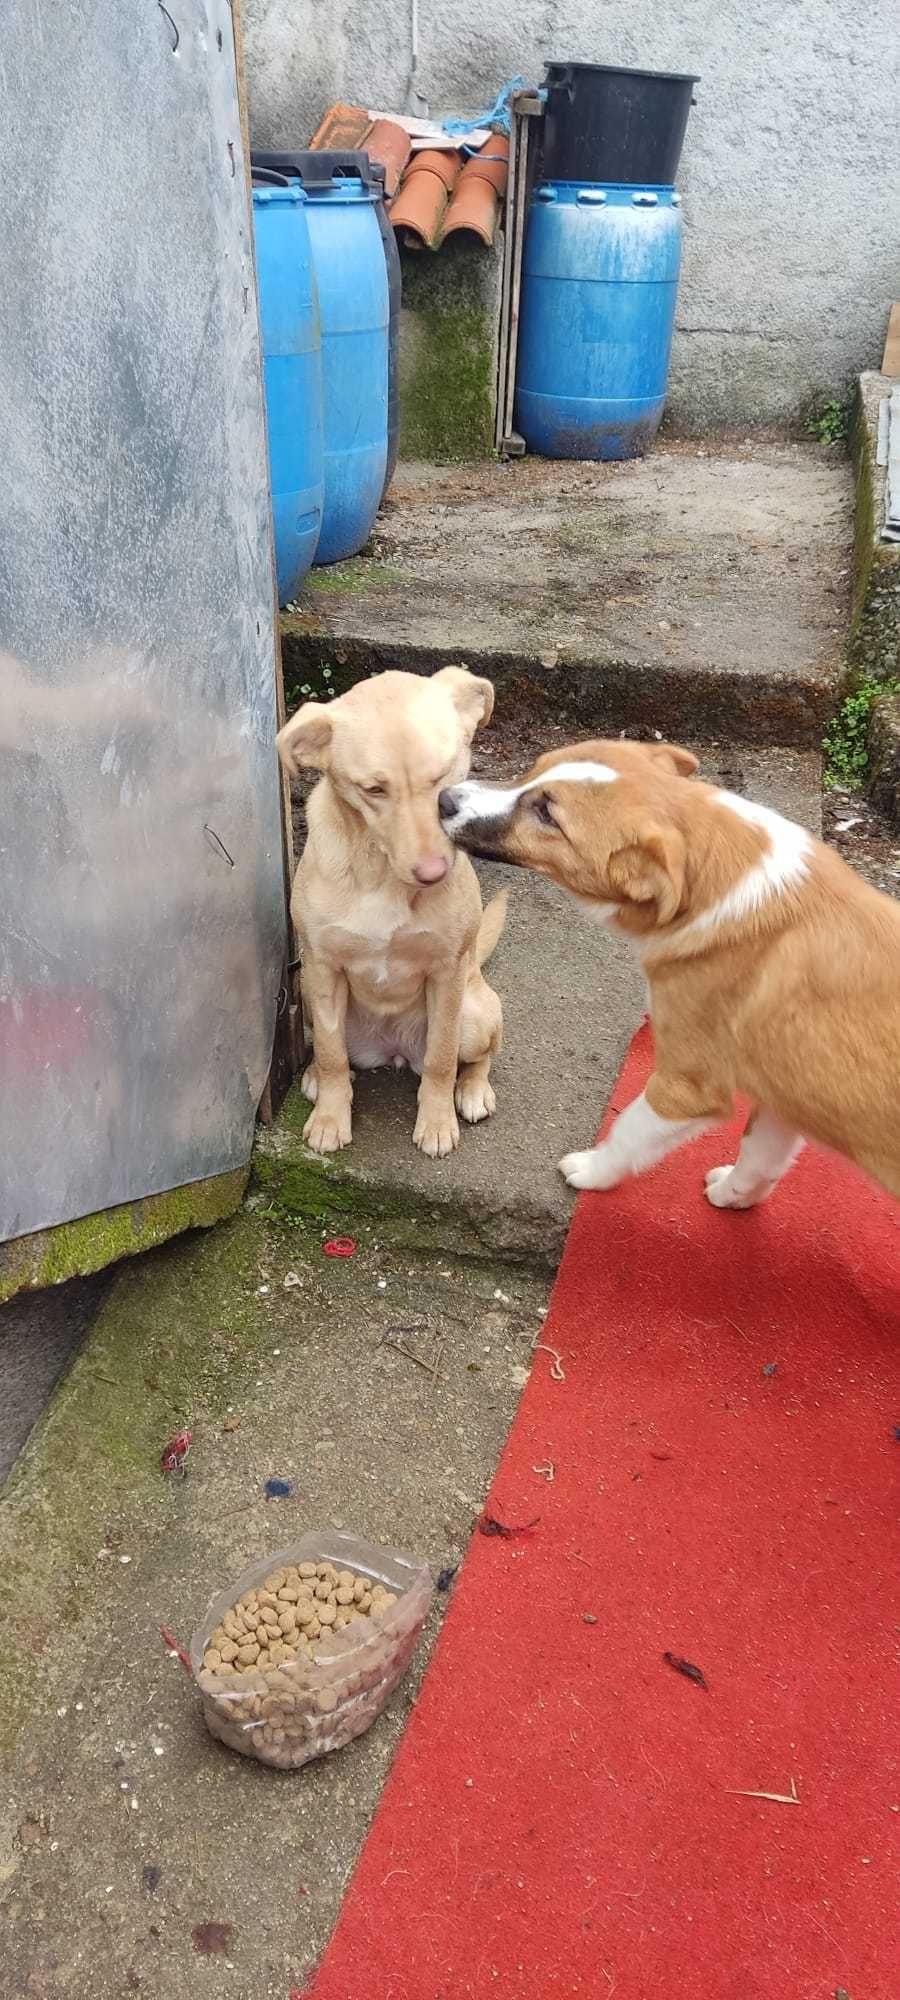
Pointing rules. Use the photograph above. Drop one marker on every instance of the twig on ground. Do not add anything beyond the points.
(408, 1355)
(547, 1471)
(790, 1798)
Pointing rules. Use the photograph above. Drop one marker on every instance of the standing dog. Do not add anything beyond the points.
(388, 913)
(773, 970)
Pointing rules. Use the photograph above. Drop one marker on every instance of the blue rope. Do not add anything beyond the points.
(497, 118)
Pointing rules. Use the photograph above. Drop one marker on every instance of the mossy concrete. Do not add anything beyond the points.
(122, 1823)
(175, 1333)
(703, 591)
(884, 756)
(73, 1249)
(448, 351)
(874, 650)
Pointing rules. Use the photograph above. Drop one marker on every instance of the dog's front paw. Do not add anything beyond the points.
(596, 1169)
(309, 1084)
(437, 1130)
(723, 1193)
(475, 1099)
(328, 1127)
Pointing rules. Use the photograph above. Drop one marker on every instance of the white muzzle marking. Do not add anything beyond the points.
(479, 803)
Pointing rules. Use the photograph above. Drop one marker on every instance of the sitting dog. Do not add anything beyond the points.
(773, 970)
(388, 913)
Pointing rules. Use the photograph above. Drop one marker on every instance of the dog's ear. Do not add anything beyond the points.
(472, 698)
(682, 762)
(305, 742)
(650, 869)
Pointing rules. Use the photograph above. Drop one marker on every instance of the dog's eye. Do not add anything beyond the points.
(543, 811)
(374, 791)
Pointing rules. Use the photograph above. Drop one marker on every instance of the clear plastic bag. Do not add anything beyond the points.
(287, 1715)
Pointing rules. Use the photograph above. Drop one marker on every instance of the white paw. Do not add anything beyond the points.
(596, 1169)
(475, 1101)
(310, 1084)
(720, 1190)
(328, 1128)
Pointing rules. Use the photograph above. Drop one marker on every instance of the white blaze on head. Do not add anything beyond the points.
(474, 801)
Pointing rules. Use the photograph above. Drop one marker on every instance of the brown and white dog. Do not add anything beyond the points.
(773, 970)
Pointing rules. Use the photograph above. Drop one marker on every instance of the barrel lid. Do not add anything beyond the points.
(558, 69)
(319, 172)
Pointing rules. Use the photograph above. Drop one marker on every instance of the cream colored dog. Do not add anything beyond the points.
(388, 912)
(773, 970)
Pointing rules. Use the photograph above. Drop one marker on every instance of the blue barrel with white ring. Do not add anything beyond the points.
(599, 288)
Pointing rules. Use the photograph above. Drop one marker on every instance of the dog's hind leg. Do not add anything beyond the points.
(481, 1036)
(768, 1149)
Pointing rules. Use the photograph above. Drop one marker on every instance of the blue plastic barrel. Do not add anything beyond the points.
(599, 285)
(316, 170)
(353, 301)
(292, 364)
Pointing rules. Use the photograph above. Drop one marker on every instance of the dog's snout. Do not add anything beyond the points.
(447, 804)
(432, 868)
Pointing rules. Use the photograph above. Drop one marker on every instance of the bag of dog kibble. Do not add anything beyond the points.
(305, 1649)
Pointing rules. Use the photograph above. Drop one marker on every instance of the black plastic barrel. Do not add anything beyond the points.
(614, 125)
(315, 169)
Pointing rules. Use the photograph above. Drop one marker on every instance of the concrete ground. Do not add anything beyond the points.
(124, 1827)
(704, 589)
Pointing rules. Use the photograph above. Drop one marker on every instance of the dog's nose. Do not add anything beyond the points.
(447, 804)
(432, 868)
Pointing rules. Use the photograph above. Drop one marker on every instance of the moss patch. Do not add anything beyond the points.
(76, 1248)
(298, 1187)
(448, 336)
(333, 1196)
(353, 579)
(874, 652)
(178, 1333)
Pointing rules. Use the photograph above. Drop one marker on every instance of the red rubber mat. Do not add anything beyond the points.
(569, 1815)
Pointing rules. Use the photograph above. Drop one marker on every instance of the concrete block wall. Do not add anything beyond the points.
(790, 175)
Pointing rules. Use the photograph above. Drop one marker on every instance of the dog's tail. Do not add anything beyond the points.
(490, 927)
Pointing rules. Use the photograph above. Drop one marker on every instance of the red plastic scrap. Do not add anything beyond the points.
(176, 1451)
(174, 1647)
(340, 1246)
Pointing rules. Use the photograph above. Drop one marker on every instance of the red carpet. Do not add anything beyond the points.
(562, 1816)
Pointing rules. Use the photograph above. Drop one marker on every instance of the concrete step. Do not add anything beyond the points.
(702, 591)
(573, 997)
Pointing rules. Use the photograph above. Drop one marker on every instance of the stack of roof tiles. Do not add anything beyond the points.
(430, 194)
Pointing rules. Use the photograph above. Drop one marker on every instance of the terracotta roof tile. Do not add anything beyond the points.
(475, 204)
(344, 128)
(431, 194)
(418, 211)
(389, 146)
(448, 167)
(491, 164)
(475, 207)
